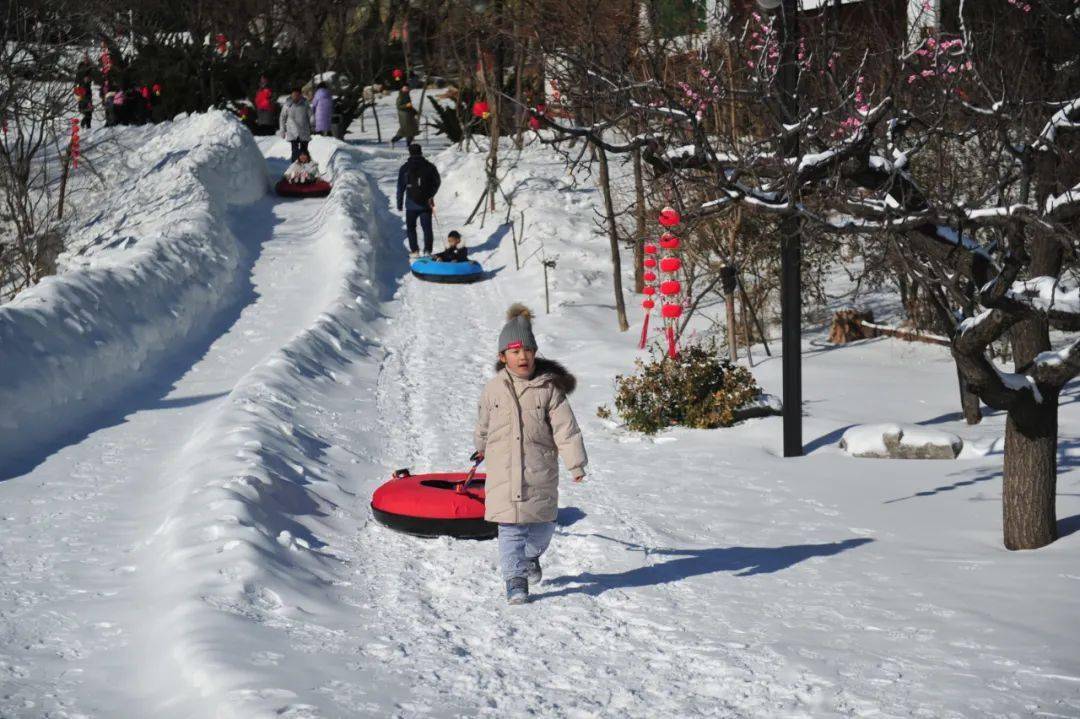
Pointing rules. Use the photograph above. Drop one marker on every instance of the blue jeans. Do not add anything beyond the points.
(411, 216)
(518, 542)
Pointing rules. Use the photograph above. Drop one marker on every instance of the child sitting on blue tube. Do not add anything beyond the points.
(453, 252)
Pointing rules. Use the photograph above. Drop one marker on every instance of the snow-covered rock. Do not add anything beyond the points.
(895, 441)
(152, 265)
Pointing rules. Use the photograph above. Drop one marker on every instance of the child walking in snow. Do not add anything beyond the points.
(303, 171)
(524, 424)
(454, 252)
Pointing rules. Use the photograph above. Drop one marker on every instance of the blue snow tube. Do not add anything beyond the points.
(426, 268)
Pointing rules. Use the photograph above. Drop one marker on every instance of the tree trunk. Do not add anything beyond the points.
(639, 221)
(1029, 484)
(1030, 472)
(969, 401)
(613, 237)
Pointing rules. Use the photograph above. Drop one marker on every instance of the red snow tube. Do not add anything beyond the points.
(432, 505)
(319, 188)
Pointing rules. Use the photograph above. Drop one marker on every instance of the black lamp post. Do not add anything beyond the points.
(787, 79)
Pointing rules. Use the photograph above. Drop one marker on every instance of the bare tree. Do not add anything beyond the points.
(956, 152)
(35, 106)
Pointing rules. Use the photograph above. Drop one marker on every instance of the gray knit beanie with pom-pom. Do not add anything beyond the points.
(517, 332)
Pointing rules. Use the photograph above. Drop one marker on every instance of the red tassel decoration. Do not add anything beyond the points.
(672, 351)
(644, 331)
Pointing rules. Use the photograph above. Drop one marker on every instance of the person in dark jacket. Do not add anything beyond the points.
(84, 95)
(454, 251)
(418, 181)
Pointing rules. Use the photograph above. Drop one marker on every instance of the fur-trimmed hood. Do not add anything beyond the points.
(549, 371)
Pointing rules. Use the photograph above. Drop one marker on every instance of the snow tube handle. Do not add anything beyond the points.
(468, 479)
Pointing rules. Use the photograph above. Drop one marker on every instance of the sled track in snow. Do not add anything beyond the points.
(439, 603)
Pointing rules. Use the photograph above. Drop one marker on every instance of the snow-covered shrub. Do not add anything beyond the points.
(697, 389)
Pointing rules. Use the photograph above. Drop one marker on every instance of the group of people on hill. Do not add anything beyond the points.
(122, 101)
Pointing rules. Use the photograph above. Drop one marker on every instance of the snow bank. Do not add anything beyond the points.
(894, 441)
(241, 552)
(154, 261)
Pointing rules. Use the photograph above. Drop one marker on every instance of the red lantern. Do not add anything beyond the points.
(650, 249)
(671, 312)
(481, 109)
(648, 304)
(156, 89)
(671, 287)
(669, 241)
(649, 262)
(670, 264)
(648, 290)
(669, 217)
(649, 276)
(534, 123)
(398, 74)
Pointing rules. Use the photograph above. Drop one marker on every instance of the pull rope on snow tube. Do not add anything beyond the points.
(433, 505)
(431, 270)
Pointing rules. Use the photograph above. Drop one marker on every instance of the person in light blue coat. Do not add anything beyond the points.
(323, 105)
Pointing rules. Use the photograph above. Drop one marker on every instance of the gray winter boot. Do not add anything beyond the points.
(517, 590)
(534, 573)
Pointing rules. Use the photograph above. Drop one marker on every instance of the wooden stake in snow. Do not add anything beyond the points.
(518, 240)
(547, 294)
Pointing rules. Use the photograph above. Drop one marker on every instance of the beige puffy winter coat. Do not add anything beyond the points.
(522, 436)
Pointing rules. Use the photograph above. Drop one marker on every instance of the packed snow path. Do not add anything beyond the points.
(214, 554)
(72, 527)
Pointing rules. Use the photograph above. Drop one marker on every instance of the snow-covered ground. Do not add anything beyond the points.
(204, 547)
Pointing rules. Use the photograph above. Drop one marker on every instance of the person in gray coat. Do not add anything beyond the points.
(408, 124)
(295, 123)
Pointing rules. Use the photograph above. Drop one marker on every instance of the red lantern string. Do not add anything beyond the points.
(670, 288)
(649, 290)
(73, 148)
